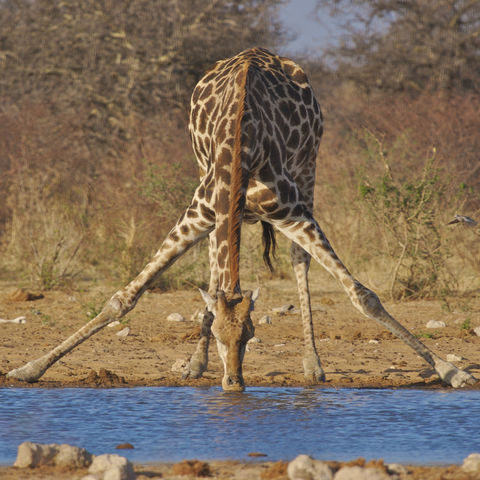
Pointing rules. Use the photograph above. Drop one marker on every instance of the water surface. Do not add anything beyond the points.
(406, 426)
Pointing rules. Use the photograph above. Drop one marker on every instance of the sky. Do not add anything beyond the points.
(313, 32)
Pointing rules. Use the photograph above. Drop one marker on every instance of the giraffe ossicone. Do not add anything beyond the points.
(255, 126)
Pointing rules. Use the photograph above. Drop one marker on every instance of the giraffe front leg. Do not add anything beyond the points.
(306, 232)
(189, 229)
(369, 304)
(198, 362)
(312, 368)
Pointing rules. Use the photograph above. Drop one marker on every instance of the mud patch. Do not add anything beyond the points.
(103, 378)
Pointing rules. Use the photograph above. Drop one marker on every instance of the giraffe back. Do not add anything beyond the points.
(253, 117)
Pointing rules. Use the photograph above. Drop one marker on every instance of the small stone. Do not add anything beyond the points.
(436, 324)
(396, 469)
(265, 320)
(125, 446)
(359, 473)
(451, 357)
(197, 316)
(123, 333)
(114, 324)
(22, 295)
(305, 467)
(254, 340)
(471, 464)
(476, 331)
(373, 342)
(283, 309)
(113, 467)
(180, 365)
(175, 317)
(278, 345)
(18, 320)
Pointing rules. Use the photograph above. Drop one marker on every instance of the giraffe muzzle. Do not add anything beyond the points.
(233, 383)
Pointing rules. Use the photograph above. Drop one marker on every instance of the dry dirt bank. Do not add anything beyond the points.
(355, 352)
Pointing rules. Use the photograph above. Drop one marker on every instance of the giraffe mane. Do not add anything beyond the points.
(237, 201)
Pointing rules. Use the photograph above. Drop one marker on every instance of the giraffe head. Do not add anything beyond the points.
(232, 328)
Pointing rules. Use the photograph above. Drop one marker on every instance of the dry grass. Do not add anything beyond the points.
(72, 211)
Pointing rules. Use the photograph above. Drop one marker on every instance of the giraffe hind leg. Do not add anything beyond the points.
(312, 368)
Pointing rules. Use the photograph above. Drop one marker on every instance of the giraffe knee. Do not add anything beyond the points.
(367, 301)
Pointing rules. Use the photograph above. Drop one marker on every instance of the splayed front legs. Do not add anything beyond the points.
(183, 236)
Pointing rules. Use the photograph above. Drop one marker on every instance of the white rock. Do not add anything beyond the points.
(396, 469)
(175, 317)
(123, 333)
(278, 345)
(19, 320)
(471, 464)
(113, 324)
(31, 454)
(373, 342)
(359, 473)
(254, 340)
(435, 324)
(265, 320)
(476, 330)
(451, 357)
(305, 467)
(113, 467)
(72, 457)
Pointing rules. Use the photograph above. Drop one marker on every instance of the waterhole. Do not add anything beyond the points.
(171, 424)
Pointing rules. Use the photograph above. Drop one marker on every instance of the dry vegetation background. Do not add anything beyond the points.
(96, 163)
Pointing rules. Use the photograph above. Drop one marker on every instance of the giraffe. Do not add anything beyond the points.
(255, 127)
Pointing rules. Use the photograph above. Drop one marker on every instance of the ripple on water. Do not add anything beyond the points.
(406, 426)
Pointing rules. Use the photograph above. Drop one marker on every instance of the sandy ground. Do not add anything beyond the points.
(355, 352)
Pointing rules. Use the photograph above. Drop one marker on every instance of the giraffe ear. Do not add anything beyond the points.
(250, 297)
(210, 302)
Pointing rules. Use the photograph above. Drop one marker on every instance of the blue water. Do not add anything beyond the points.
(406, 426)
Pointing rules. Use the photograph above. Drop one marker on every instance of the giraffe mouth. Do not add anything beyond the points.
(233, 383)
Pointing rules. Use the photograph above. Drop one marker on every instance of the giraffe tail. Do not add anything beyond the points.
(269, 243)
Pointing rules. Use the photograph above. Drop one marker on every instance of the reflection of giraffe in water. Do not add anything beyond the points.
(255, 127)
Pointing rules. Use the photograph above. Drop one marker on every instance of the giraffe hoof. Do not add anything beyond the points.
(312, 370)
(452, 375)
(193, 369)
(29, 373)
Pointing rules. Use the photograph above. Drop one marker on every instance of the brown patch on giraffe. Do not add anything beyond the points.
(207, 213)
